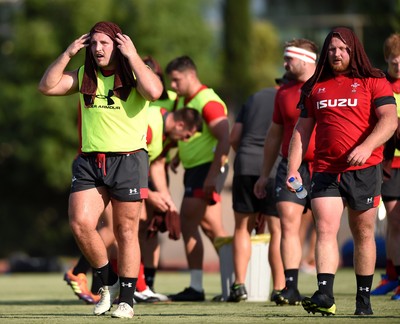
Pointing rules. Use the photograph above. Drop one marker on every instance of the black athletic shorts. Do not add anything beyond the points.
(361, 189)
(124, 175)
(194, 179)
(282, 193)
(243, 198)
(391, 187)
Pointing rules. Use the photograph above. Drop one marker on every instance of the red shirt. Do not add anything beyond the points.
(286, 114)
(395, 83)
(344, 110)
(212, 110)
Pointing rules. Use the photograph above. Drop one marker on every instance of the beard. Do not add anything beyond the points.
(340, 68)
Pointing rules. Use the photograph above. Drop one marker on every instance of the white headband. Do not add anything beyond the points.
(300, 53)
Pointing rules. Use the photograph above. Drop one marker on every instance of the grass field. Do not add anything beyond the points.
(45, 298)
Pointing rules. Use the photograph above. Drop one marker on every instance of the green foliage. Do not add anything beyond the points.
(237, 45)
(185, 34)
(39, 137)
(265, 55)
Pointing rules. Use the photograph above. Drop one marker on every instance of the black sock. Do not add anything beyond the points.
(127, 289)
(291, 277)
(149, 276)
(397, 268)
(364, 284)
(107, 275)
(82, 266)
(96, 282)
(325, 283)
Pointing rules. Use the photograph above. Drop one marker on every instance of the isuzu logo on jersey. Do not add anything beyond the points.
(333, 103)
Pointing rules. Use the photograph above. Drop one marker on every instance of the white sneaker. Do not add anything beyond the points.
(123, 311)
(161, 297)
(107, 297)
(149, 296)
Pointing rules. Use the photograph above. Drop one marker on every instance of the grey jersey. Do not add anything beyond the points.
(256, 117)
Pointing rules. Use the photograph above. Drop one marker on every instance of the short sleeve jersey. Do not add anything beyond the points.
(344, 111)
(286, 114)
(255, 117)
(155, 131)
(199, 149)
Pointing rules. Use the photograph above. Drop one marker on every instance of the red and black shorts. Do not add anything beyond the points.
(125, 175)
(361, 189)
(194, 178)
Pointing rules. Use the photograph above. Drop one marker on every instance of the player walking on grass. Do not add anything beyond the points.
(391, 183)
(114, 88)
(299, 61)
(352, 105)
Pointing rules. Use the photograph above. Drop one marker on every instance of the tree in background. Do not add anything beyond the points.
(373, 21)
(265, 55)
(252, 53)
(39, 136)
(236, 36)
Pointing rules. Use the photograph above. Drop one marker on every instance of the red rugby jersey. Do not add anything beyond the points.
(287, 114)
(344, 110)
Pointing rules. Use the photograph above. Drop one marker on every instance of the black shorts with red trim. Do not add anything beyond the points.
(245, 201)
(361, 189)
(125, 175)
(194, 178)
(282, 193)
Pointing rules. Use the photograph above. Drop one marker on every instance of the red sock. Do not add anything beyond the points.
(390, 270)
(141, 282)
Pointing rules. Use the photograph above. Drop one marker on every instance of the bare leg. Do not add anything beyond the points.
(211, 223)
(327, 212)
(126, 224)
(150, 247)
(192, 212)
(274, 253)
(105, 229)
(362, 225)
(244, 223)
(393, 231)
(290, 216)
(85, 208)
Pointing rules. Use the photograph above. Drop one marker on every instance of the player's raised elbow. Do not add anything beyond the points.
(154, 94)
(43, 89)
(152, 91)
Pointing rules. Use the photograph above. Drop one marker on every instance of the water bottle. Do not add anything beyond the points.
(301, 192)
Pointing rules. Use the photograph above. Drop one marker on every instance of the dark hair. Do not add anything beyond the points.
(360, 66)
(191, 117)
(180, 64)
(156, 67)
